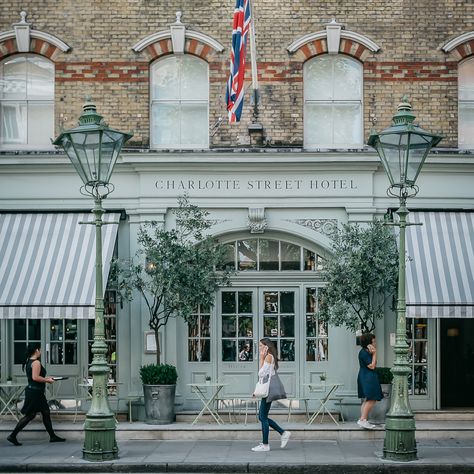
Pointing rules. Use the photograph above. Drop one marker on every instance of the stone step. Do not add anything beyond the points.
(445, 415)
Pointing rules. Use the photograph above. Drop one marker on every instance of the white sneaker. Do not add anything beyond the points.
(285, 437)
(366, 425)
(261, 447)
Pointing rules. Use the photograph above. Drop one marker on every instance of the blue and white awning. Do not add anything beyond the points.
(47, 264)
(440, 266)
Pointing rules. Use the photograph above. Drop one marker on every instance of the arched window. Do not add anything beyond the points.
(333, 102)
(26, 102)
(466, 104)
(179, 102)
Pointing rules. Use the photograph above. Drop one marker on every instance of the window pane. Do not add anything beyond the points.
(229, 257)
(205, 326)
(245, 326)
(34, 329)
(347, 124)
(165, 124)
(290, 256)
(287, 302)
(13, 117)
(40, 78)
(347, 79)
(311, 325)
(205, 350)
(287, 326)
(287, 350)
(56, 330)
(311, 300)
(19, 329)
(270, 302)
(71, 330)
(19, 350)
(194, 82)
(56, 354)
(193, 328)
(421, 379)
(245, 302)
(268, 254)
(318, 124)
(270, 326)
(40, 123)
(245, 350)
(318, 82)
(247, 253)
(466, 80)
(193, 350)
(13, 78)
(70, 353)
(229, 326)
(228, 302)
(466, 125)
(194, 125)
(165, 79)
(229, 351)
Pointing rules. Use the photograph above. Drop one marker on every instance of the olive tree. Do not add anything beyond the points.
(174, 270)
(360, 276)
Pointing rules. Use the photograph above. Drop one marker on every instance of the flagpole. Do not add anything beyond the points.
(253, 61)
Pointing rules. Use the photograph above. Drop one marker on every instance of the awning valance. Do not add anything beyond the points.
(440, 266)
(47, 264)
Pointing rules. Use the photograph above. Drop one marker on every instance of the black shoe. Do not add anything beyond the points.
(56, 439)
(13, 440)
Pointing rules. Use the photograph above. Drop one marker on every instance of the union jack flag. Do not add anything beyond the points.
(235, 84)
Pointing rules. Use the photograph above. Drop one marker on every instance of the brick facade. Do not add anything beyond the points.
(102, 63)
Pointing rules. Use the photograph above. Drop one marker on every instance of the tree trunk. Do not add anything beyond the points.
(158, 348)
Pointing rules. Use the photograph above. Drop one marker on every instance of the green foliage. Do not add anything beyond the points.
(362, 274)
(173, 270)
(385, 374)
(162, 374)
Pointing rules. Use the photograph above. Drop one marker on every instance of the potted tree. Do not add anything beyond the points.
(174, 271)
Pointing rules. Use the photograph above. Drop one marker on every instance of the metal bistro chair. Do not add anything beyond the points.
(82, 393)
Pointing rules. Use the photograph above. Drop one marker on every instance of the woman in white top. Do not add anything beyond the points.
(268, 364)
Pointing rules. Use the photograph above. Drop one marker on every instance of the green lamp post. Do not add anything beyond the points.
(402, 148)
(93, 149)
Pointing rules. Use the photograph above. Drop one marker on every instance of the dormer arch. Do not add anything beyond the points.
(461, 46)
(178, 40)
(23, 39)
(334, 39)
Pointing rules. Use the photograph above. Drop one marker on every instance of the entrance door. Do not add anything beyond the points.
(457, 363)
(245, 315)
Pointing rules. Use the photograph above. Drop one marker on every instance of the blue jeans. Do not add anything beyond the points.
(267, 422)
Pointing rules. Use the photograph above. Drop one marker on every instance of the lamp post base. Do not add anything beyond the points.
(400, 442)
(100, 443)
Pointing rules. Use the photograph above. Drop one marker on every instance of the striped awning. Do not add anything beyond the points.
(47, 264)
(440, 266)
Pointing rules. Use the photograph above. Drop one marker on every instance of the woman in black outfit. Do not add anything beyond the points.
(35, 400)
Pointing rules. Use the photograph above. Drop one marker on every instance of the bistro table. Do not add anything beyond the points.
(9, 395)
(208, 400)
(328, 393)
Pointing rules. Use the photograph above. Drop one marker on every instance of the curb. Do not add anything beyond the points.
(243, 468)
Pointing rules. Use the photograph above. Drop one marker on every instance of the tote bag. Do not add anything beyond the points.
(262, 387)
(276, 390)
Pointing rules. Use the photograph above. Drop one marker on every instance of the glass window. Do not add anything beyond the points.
(333, 102)
(466, 104)
(179, 102)
(26, 102)
(237, 326)
(199, 336)
(316, 330)
(25, 331)
(63, 341)
(417, 337)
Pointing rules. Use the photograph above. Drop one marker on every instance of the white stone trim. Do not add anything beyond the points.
(345, 34)
(6, 35)
(455, 42)
(155, 37)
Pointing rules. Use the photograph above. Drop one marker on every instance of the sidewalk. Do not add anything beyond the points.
(234, 456)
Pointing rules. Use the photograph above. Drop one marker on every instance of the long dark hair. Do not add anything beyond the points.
(271, 350)
(30, 350)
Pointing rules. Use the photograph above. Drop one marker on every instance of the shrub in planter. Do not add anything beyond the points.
(159, 389)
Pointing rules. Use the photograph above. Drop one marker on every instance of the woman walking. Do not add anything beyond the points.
(368, 385)
(268, 363)
(35, 399)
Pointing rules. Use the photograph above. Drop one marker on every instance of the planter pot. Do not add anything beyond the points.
(159, 404)
(377, 414)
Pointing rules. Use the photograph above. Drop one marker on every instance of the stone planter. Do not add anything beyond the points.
(159, 404)
(377, 414)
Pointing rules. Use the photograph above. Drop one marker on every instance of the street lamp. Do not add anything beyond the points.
(93, 149)
(403, 148)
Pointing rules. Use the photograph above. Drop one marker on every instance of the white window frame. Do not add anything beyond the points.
(155, 102)
(29, 146)
(470, 144)
(319, 146)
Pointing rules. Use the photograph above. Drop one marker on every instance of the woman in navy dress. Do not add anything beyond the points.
(368, 385)
(35, 399)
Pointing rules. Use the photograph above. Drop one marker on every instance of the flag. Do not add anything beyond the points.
(235, 84)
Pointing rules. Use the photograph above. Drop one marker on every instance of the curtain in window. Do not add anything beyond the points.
(333, 102)
(26, 101)
(180, 99)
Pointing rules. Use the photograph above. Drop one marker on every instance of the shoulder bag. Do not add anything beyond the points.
(262, 387)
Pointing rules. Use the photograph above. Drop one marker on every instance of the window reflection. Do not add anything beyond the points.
(268, 254)
(417, 336)
(199, 336)
(247, 254)
(316, 330)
